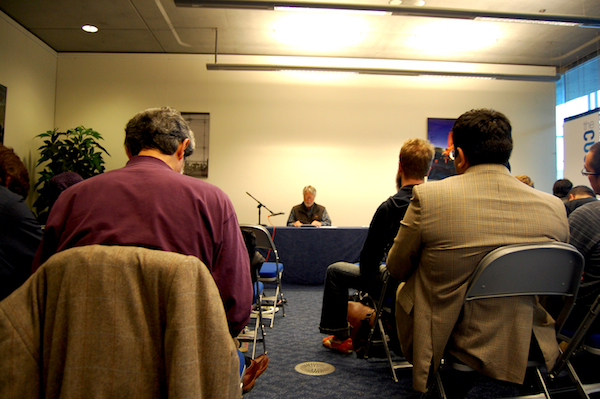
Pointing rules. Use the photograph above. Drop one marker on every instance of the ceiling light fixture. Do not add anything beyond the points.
(582, 21)
(380, 71)
(527, 21)
(89, 28)
(330, 10)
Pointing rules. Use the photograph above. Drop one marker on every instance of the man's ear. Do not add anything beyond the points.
(129, 156)
(180, 152)
(461, 162)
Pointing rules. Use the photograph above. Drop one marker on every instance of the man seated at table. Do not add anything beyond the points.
(309, 213)
(416, 156)
(449, 226)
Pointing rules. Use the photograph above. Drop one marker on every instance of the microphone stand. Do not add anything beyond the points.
(261, 205)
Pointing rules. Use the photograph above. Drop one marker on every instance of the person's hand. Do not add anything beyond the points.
(316, 223)
(297, 223)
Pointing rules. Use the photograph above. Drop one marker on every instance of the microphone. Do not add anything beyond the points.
(277, 214)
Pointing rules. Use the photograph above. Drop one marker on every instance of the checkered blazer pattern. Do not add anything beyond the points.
(110, 321)
(448, 228)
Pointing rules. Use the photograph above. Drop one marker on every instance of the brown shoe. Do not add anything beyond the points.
(256, 368)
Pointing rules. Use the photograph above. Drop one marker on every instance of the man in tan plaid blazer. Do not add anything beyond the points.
(448, 228)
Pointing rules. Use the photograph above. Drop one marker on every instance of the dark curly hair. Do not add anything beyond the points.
(484, 135)
(13, 174)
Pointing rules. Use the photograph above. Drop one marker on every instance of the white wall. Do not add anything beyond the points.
(273, 133)
(28, 70)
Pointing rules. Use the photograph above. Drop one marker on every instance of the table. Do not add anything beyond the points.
(307, 251)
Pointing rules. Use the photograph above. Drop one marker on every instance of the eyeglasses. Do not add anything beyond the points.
(587, 173)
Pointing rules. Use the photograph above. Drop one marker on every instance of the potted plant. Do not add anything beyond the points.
(76, 150)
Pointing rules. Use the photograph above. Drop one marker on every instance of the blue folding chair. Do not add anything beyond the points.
(270, 272)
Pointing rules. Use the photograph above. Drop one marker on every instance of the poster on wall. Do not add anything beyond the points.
(196, 165)
(580, 132)
(2, 112)
(439, 134)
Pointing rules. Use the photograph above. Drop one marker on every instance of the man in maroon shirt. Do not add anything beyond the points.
(149, 203)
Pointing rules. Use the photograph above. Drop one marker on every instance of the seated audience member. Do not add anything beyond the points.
(525, 179)
(57, 184)
(416, 156)
(150, 203)
(562, 188)
(579, 195)
(308, 212)
(584, 224)
(20, 233)
(448, 228)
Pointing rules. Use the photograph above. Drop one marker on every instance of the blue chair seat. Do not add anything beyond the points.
(261, 287)
(593, 340)
(242, 363)
(269, 270)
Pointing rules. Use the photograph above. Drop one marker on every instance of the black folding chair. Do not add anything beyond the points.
(269, 271)
(581, 340)
(378, 333)
(549, 269)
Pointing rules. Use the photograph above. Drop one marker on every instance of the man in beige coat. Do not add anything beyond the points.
(448, 228)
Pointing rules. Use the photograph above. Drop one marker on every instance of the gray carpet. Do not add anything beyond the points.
(296, 339)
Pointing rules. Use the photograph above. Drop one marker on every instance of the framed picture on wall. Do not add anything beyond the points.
(196, 165)
(2, 112)
(439, 134)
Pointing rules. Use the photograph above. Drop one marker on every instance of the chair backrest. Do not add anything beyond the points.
(107, 319)
(263, 238)
(550, 268)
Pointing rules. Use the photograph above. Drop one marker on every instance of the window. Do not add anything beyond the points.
(577, 92)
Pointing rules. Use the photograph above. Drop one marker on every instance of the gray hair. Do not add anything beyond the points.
(310, 189)
(159, 128)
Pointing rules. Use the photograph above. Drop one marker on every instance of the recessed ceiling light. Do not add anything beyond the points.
(395, 2)
(89, 28)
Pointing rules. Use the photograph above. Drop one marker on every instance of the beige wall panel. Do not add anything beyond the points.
(273, 133)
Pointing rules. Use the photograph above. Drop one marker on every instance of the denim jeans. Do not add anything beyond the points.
(340, 277)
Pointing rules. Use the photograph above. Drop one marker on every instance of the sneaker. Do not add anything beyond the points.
(344, 346)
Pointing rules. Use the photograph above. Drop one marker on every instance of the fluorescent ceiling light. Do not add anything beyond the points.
(331, 11)
(578, 20)
(315, 71)
(454, 36)
(319, 32)
(380, 71)
(526, 21)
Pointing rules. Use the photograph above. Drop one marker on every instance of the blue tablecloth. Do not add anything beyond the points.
(306, 252)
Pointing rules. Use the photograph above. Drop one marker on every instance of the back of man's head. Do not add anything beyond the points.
(581, 192)
(484, 135)
(416, 156)
(162, 129)
(562, 187)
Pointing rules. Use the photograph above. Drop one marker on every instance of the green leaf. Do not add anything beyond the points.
(74, 150)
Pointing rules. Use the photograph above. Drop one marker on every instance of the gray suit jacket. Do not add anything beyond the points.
(108, 321)
(448, 228)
